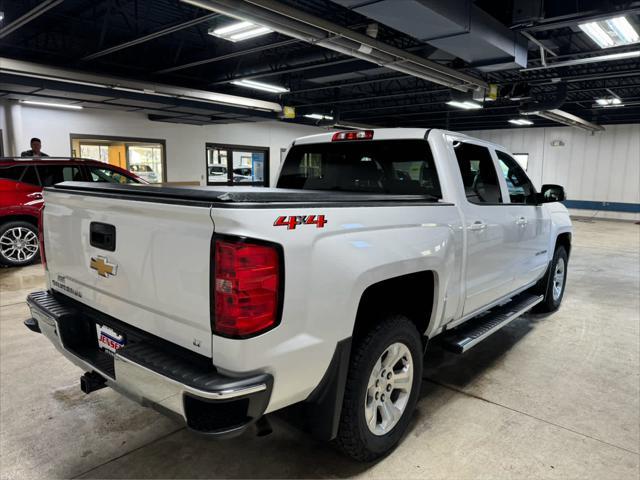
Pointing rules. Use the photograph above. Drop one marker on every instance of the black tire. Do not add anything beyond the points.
(545, 287)
(7, 256)
(355, 438)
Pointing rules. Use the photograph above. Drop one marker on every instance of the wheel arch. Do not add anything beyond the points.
(33, 220)
(414, 295)
(564, 240)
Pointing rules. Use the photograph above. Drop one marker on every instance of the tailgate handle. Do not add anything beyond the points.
(103, 236)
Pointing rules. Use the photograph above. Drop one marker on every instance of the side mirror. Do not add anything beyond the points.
(551, 193)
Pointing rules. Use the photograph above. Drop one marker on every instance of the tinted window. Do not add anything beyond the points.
(521, 190)
(397, 167)
(52, 174)
(478, 173)
(12, 173)
(97, 174)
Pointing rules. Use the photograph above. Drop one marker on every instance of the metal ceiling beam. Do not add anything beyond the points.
(566, 118)
(118, 84)
(576, 18)
(29, 16)
(228, 56)
(582, 61)
(151, 36)
(291, 69)
(318, 31)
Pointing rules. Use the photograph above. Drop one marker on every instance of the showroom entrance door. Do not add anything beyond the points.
(237, 165)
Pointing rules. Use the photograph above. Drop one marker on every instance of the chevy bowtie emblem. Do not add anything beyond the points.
(102, 266)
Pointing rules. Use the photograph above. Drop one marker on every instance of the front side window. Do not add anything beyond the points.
(52, 174)
(97, 174)
(396, 167)
(478, 172)
(521, 190)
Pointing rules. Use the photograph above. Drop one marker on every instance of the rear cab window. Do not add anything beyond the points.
(395, 167)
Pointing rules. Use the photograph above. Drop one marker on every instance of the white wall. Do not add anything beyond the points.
(604, 167)
(185, 143)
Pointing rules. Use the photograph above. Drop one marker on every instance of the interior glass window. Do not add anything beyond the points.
(397, 167)
(478, 172)
(521, 189)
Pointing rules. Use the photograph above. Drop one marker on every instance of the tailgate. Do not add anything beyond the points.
(157, 276)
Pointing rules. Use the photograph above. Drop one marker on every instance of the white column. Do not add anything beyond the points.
(12, 113)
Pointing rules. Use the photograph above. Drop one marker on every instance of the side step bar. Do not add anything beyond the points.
(470, 333)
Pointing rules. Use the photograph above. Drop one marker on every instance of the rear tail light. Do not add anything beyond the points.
(247, 287)
(352, 135)
(43, 256)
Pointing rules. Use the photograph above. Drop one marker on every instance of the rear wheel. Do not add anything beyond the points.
(382, 389)
(18, 243)
(553, 284)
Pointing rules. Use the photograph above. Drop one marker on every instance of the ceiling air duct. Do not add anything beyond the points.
(459, 28)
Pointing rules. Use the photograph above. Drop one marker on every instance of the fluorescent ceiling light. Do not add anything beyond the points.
(260, 86)
(466, 105)
(521, 121)
(609, 101)
(613, 32)
(254, 32)
(317, 116)
(237, 32)
(56, 105)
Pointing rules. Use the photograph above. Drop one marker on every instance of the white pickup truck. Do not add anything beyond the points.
(221, 305)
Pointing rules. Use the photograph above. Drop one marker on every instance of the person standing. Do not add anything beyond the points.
(36, 146)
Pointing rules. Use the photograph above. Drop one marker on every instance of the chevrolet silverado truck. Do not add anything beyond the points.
(317, 297)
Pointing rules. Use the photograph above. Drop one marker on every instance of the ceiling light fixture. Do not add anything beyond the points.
(466, 105)
(521, 121)
(237, 32)
(55, 105)
(612, 32)
(265, 87)
(317, 116)
(609, 102)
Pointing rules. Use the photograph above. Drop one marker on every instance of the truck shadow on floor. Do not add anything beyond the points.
(290, 453)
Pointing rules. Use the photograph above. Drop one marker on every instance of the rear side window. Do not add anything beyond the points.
(12, 173)
(396, 167)
(478, 173)
(52, 174)
(97, 174)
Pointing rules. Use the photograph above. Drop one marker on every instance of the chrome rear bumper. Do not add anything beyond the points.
(149, 374)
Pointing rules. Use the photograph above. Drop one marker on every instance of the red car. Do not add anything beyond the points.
(21, 184)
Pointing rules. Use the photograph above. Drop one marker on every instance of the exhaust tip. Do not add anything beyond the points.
(92, 381)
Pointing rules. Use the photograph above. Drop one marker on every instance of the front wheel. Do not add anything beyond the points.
(19, 244)
(382, 389)
(554, 283)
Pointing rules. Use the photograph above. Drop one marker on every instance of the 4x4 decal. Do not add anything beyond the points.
(292, 221)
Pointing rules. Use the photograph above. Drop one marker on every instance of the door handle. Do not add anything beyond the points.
(522, 221)
(478, 226)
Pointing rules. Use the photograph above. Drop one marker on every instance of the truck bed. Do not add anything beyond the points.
(238, 197)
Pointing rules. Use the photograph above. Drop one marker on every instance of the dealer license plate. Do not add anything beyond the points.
(108, 339)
